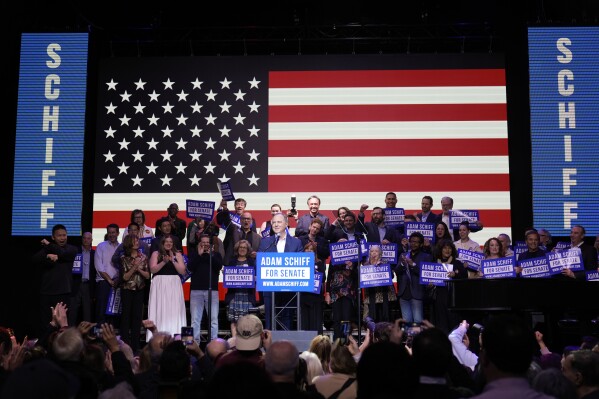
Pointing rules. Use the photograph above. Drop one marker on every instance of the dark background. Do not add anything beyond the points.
(141, 29)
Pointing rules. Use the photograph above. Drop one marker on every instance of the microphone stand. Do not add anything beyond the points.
(210, 292)
(358, 237)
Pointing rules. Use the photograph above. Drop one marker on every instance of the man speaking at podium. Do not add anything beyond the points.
(280, 241)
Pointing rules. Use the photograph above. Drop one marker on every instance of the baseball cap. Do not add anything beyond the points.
(249, 333)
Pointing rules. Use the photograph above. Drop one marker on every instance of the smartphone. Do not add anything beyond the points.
(97, 331)
(345, 331)
(187, 335)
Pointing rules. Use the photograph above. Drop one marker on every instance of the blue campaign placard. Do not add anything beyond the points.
(375, 275)
(394, 217)
(564, 77)
(434, 273)
(520, 247)
(472, 260)
(561, 245)
(592, 275)
(567, 259)
(239, 277)
(425, 228)
(146, 240)
(235, 219)
(389, 251)
(77, 269)
(226, 191)
(265, 233)
(458, 216)
(341, 252)
(499, 268)
(202, 209)
(286, 271)
(535, 268)
(318, 278)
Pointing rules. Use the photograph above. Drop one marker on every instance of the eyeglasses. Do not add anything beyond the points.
(246, 218)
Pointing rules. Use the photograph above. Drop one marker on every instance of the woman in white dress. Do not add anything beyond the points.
(166, 306)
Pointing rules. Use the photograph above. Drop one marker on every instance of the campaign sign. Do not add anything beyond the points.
(499, 268)
(226, 191)
(561, 245)
(394, 217)
(238, 277)
(318, 277)
(592, 275)
(434, 273)
(266, 232)
(235, 219)
(520, 247)
(286, 271)
(185, 276)
(389, 251)
(472, 260)
(425, 228)
(568, 259)
(146, 240)
(202, 209)
(375, 276)
(341, 252)
(458, 216)
(77, 264)
(534, 268)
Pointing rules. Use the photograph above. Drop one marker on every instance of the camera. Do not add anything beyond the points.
(292, 211)
(187, 335)
(345, 332)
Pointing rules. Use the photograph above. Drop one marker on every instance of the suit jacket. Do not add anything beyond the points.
(372, 231)
(416, 288)
(432, 217)
(292, 244)
(589, 260)
(92, 274)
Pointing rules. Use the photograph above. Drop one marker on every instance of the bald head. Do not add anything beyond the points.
(281, 360)
(217, 347)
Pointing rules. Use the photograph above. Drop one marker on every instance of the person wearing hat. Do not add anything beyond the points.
(250, 339)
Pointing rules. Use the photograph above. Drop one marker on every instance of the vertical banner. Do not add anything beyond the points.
(50, 133)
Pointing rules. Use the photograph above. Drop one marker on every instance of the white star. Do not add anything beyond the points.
(139, 85)
(253, 180)
(123, 168)
(210, 143)
(108, 181)
(168, 84)
(166, 181)
(239, 143)
(224, 155)
(112, 86)
(166, 156)
(195, 181)
(195, 156)
(137, 156)
(210, 119)
(124, 120)
(195, 131)
(253, 155)
(210, 168)
(152, 168)
(168, 107)
(153, 144)
(239, 95)
(181, 144)
(139, 109)
(110, 109)
(254, 107)
(138, 132)
(182, 96)
(239, 119)
(125, 96)
(254, 131)
(224, 107)
(197, 108)
(224, 179)
(153, 96)
(197, 84)
(253, 83)
(124, 144)
(180, 168)
(224, 131)
(137, 181)
(110, 132)
(211, 95)
(167, 132)
(225, 83)
(153, 120)
(239, 167)
(181, 120)
(109, 155)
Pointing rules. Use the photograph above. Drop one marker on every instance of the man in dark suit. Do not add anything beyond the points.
(82, 290)
(281, 241)
(588, 253)
(409, 290)
(447, 205)
(426, 215)
(376, 230)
